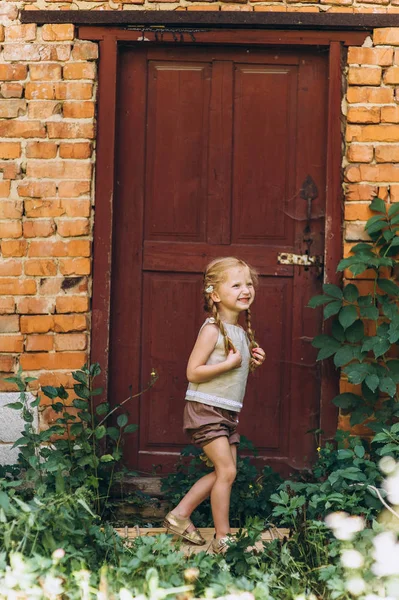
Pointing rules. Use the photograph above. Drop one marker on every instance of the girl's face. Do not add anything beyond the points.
(236, 293)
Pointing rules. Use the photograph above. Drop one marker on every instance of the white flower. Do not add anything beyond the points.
(58, 554)
(352, 559)
(335, 520)
(355, 586)
(373, 597)
(209, 289)
(344, 526)
(124, 594)
(53, 586)
(391, 485)
(387, 464)
(386, 554)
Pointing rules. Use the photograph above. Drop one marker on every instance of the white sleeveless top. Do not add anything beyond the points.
(227, 389)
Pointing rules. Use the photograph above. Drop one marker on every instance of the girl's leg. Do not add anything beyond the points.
(223, 457)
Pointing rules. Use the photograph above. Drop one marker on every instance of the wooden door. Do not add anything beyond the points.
(213, 147)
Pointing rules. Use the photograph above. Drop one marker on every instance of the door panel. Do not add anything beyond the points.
(223, 139)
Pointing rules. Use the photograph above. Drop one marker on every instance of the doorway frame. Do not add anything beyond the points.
(109, 39)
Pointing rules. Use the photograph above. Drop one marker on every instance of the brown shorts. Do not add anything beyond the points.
(205, 423)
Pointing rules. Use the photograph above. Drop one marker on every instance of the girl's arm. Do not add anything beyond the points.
(197, 369)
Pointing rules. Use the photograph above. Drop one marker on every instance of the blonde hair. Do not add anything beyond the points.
(215, 274)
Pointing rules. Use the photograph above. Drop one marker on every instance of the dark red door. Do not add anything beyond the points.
(213, 146)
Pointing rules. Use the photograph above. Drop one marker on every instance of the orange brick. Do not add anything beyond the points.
(73, 189)
(7, 305)
(4, 188)
(72, 304)
(75, 266)
(26, 33)
(37, 189)
(43, 109)
(45, 72)
(390, 114)
(10, 267)
(10, 209)
(22, 129)
(44, 267)
(73, 228)
(56, 248)
(43, 208)
(78, 110)
(11, 343)
(13, 248)
(363, 114)
(59, 52)
(357, 212)
(56, 379)
(40, 343)
(41, 149)
(35, 306)
(372, 133)
(364, 75)
(11, 90)
(17, 287)
(76, 150)
(76, 207)
(38, 228)
(391, 75)
(42, 90)
(356, 192)
(79, 70)
(9, 324)
(69, 130)
(58, 169)
(71, 90)
(387, 153)
(84, 51)
(71, 341)
(58, 33)
(37, 324)
(370, 56)
(66, 323)
(360, 153)
(7, 364)
(10, 229)
(13, 72)
(382, 172)
(387, 36)
(10, 170)
(58, 360)
(10, 150)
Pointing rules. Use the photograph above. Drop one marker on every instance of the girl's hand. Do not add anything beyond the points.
(234, 359)
(258, 357)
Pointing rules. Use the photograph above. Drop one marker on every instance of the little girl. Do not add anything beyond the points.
(217, 372)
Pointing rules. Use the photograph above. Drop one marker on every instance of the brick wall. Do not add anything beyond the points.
(47, 154)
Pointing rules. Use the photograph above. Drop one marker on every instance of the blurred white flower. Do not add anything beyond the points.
(58, 553)
(335, 519)
(386, 554)
(355, 586)
(373, 597)
(344, 526)
(300, 597)
(391, 485)
(52, 586)
(387, 464)
(352, 559)
(124, 594)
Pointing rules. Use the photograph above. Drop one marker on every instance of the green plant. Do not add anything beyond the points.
(82, 447)
(365, 328)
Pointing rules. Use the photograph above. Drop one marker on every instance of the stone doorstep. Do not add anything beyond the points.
(130, 533)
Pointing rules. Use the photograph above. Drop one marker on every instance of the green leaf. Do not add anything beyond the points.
(395, 242)
(388, 386)
(102, 409)
(355, 333)
(333, 290)
(359, 451)
(347, 400)
(113, 433)
(50, 391)
(351, 292)
(81, 404)
(376, 226)
(106, 458)
(332, 309)
(372, 381)
(100, 432)
(380, 347)
(131, 428)
(338, 331)
(80, 376)
(343, 356)
(359, 415)
(15, 405)
(319, 301)
(122, 420)
(388, 286)
(95, 370)
(393, 209)
(347, 316)
(378, 205)
(357, 372)
(369, 312)
(81, 390)
(324, 340)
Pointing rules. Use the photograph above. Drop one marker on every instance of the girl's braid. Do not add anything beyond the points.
(228, 344)
(251, 334)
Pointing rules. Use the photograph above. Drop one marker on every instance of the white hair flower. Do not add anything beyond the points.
(209, 289)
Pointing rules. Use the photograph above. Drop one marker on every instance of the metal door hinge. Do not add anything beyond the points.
(303, 260)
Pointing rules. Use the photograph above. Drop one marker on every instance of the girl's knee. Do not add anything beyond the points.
(228, 474)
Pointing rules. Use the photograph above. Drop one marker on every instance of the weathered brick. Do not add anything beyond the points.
(9, 11)
(41, 267)
(79, 70)
(66, 323)
(24, 129)
(9, 109)
(56, 378)
(357, 212)
(377, 173)
(26, 52)
(73, 227)
(41, 149)
(43, 90)
(390, 114)
(75, 266)
(37, 189)
(10, 229)
(13, 248)
(43, 109)
(374, 95)
(363, 114)
(7, 363)
(372, 133)
(391, 75)
(26, 33)
(387, 153)
(71, 304)
(11, 90)
(57, 248)
(58, 169)
(10, 150)
(9, 323)
(9, 169)
(18, 287)
(364, 75)
(43, 208)
(76, 150)
(370, 56)
(11, 343)
(69, 130)
(13, 72)
(388, 36)
(10, 267)
(37, 324)
(78, 110)
(7, 304)
(4, 188)
(73, 90)
(84, 50)
(73, 189)
(10, 209)
(38, 228)
(58, 33)
(60, 52)
(45, 72)
(58, 360)
(37, 343)
(70, 341)
(35, 306)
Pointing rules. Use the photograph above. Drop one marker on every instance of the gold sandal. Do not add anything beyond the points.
(220, 546)
(178, 526)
